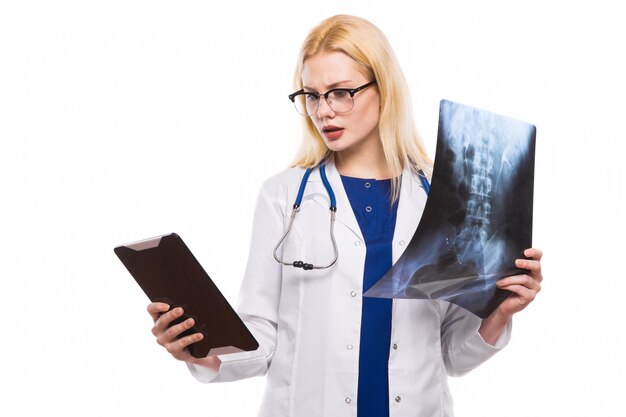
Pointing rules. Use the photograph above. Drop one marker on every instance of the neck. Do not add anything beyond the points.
(366, 163)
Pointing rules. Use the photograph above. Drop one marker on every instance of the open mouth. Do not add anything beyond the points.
(332, 132)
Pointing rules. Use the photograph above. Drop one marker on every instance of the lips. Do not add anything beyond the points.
(332, 132)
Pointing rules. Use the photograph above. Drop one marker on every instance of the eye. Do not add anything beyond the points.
(339, 94)
(311, 97)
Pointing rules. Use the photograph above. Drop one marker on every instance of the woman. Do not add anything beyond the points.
(327, 350)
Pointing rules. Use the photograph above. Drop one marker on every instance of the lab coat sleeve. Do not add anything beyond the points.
(463, 347)
(259, 296)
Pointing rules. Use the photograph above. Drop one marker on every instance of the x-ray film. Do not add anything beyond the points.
(478, 216)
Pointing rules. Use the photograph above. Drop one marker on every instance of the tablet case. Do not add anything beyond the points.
(167, 272)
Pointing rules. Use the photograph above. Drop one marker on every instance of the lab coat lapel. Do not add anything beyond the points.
(345, 214)
(410, 209)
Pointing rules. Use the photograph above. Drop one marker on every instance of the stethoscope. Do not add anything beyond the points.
(333, 209)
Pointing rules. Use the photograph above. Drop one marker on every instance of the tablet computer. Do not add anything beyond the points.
(167, 272)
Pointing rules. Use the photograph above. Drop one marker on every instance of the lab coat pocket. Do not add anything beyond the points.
(275, 402)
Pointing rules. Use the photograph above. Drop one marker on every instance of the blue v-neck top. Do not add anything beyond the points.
(370, 201)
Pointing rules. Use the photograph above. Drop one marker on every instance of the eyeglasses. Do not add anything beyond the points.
(340, 100)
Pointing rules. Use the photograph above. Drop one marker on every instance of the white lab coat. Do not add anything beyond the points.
(308, 322)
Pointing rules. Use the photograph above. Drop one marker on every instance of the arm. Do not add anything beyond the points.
(463, 347)
(467, 341)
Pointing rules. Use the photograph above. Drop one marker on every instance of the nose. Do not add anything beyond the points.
(323, 109)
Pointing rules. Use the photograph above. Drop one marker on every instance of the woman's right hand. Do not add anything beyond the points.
(168, 336)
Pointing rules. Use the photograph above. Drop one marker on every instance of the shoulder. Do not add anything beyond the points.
(279, 191)
(283, 181)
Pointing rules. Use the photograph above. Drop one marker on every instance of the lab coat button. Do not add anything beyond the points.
(368, 209)
(349, 347)
(353, 293)
(348, 400)
(357, 243)
(401, 242)
(395, 346)
(398, 399)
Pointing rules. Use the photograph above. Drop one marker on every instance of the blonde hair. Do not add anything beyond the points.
(367, 46)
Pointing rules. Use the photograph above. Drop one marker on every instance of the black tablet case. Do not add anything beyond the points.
(167, 271)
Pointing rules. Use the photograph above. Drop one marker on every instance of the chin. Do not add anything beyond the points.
(337, 146)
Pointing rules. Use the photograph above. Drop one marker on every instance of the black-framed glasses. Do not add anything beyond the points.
(340, 100)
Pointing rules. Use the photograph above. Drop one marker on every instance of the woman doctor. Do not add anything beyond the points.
(326, 349)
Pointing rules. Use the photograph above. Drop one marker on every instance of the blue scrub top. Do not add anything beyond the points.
(370, 201)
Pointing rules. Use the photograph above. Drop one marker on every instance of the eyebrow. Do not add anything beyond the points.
(331, 86)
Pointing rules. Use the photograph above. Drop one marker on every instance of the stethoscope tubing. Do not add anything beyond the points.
(296, 208)
(333, 210)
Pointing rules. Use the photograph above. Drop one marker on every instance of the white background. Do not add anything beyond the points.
(121, 120)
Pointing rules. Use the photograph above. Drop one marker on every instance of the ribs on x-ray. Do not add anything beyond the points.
(478, 216)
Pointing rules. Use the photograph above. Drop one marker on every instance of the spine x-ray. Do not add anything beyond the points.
(478, 216)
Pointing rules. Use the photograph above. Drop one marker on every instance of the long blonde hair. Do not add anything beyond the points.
(368, 47)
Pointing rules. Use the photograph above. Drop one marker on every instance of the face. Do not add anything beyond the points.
(356, 129)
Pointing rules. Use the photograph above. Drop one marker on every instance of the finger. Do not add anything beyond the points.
(173, 332)
(156, 309)
(523, 280)
(534, 267)
(531, 265)
(534, 253)
(524, 294)
(163, 322)
(178, 346)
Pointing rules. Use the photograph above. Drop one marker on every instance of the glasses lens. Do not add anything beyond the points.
(299, 103)
(340, 101)
(311, 101)
(306, 104)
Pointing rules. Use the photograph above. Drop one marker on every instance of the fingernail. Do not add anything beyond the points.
(519, 262)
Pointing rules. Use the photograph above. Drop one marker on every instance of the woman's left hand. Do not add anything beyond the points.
(524, 288)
